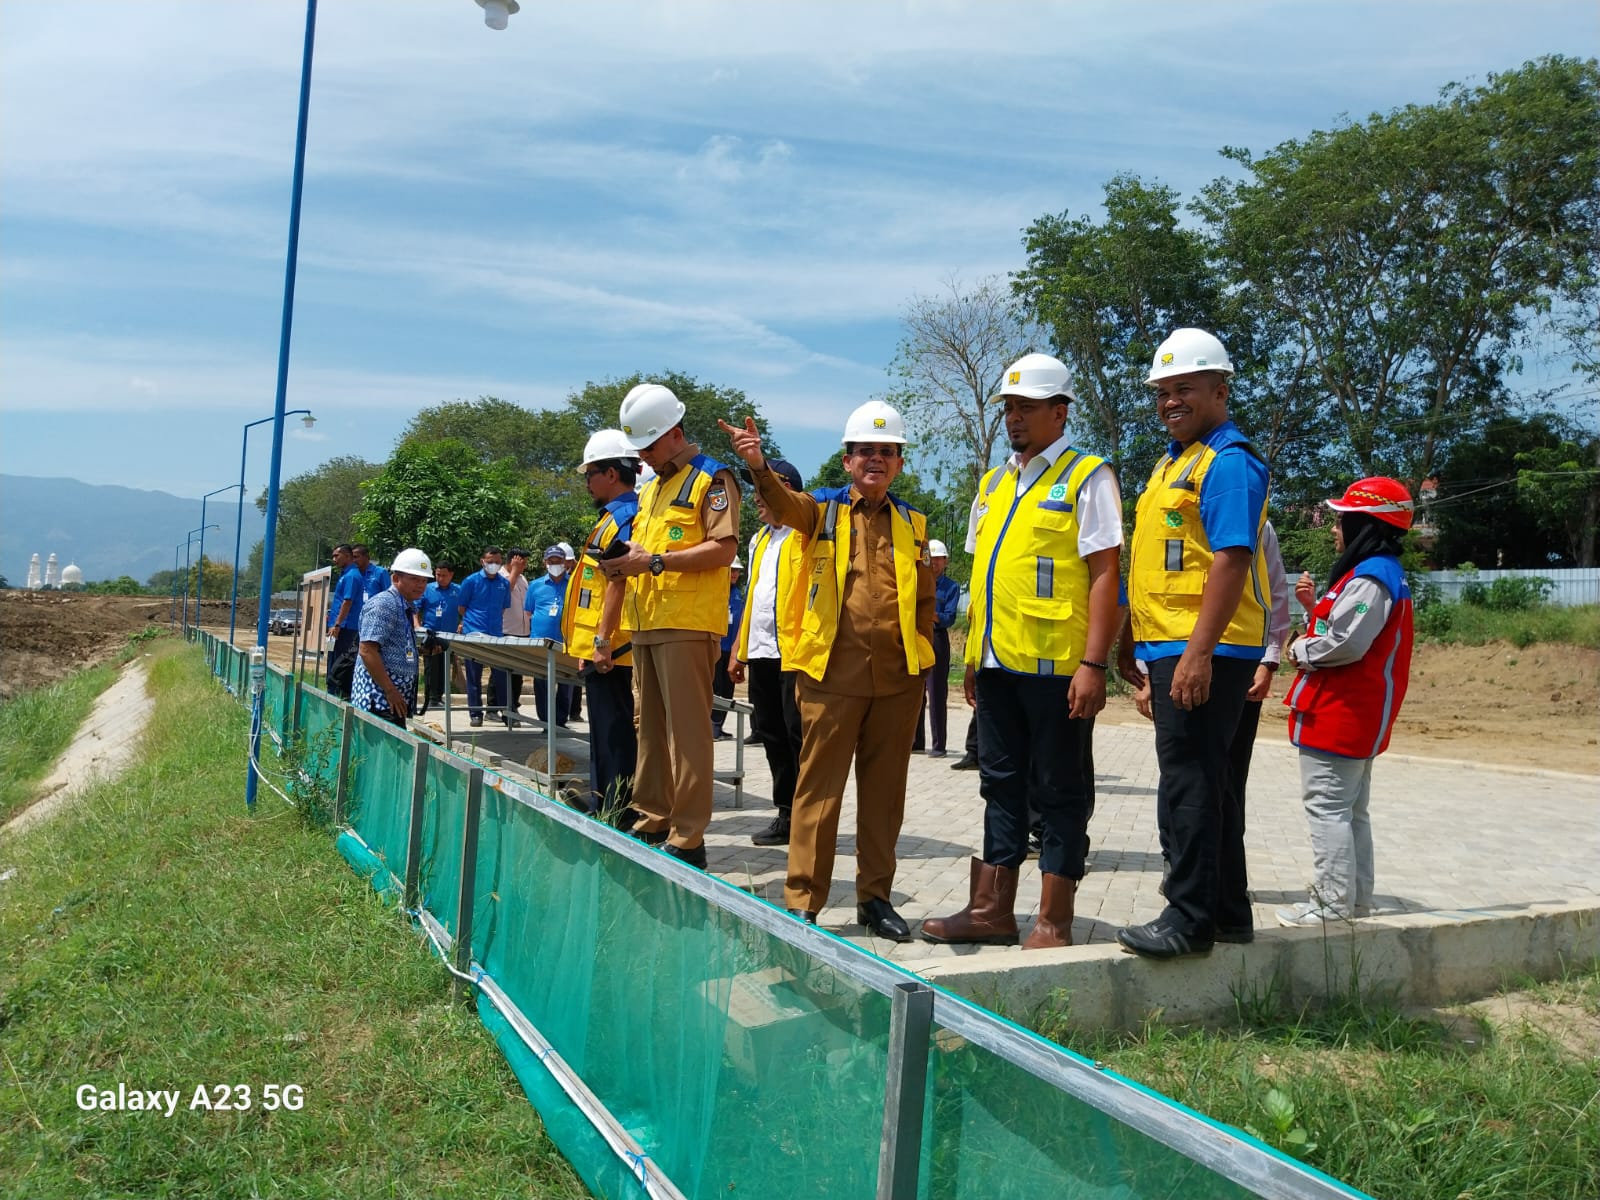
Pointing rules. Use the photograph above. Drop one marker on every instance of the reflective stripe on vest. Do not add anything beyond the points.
(1030, 604)
(1170, 558)
(828, 562)
(669, 519)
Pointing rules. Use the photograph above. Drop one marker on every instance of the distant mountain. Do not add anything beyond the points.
(108, 531)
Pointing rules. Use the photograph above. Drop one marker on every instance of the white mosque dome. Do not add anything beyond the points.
(71, 573)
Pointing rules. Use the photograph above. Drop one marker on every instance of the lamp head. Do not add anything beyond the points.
(308, 420)
(497, 12)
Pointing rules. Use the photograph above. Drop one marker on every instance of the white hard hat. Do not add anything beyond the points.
(874, 421)
(411, 562)
(648, 411)
(566, 550)
(736, 565)
(1036, 377)
(937, 549)
(606, 444)
(1188, 351)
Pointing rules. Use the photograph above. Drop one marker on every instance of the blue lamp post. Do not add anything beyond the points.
(495, 13)
(187, 563)
(174, 616)
(238, 530)
(200, 579)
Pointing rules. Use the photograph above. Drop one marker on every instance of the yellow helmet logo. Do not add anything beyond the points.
(1166, 360)
(1014, 377)
(879, 423)
(629, 428)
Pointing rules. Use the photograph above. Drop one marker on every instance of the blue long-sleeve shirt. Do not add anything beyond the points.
(946, 598)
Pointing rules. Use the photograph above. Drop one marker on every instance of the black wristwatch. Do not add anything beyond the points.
(657, 564)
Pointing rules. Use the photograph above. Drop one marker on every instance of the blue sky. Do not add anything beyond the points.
(749, 192)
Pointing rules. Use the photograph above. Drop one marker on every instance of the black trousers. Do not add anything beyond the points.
(936, 695)
(342, 662)
(775, 723)
(498, 682)
(541, 699)
(1200, 813)
(1032, 756)
(613, 741)
(433, 679)
(721, 685)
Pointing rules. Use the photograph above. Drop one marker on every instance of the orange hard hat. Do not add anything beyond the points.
(1382, 497)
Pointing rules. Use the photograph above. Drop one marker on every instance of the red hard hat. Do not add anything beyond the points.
(1382, 497)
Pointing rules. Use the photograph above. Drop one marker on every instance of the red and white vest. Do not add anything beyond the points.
(1350, 709)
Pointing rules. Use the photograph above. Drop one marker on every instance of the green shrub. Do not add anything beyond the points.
(1513, 593)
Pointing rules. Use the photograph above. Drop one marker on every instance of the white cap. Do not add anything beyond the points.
(648, 412)
(1036, 377)
(566, 549)
(604, 445)
(736, 565)
(1188, 351)
(937, 549)
(875, 423)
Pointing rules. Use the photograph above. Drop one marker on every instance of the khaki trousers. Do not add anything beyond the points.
(672, 786)
(876, 732)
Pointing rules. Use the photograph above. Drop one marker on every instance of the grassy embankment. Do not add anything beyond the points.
(1475, 625)
(35, 728)
(1395, 1104)
(156, 937)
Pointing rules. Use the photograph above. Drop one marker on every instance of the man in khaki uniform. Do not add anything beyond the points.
(684, 537)
(865, 640)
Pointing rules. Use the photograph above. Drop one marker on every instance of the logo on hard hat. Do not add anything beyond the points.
(1014, 377)
(629, 428)
(1166, 360)
(1199, 362)
(879, 423)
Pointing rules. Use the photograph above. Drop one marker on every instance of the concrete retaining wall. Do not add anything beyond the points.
(1430, 958)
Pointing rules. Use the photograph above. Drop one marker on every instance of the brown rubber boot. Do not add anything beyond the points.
(988, 918)
(1054, 926)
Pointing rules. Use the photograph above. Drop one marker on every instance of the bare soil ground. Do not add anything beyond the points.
(45, 636)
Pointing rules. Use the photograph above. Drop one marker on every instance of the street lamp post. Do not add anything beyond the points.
(238, 529)
(173, 618)
(187, 563)
(495, 13)
(200, 579)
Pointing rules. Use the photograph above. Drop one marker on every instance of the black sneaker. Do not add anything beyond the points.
(475, 722)
(965, 763)
(775, 834)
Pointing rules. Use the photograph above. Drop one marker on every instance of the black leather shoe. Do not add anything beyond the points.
(1239, 935)
(965, 763)
(475, 722)
(803, 914)
(694, 856)
(935, 753)
(775, 834)
(1160, 940)
(881, 919)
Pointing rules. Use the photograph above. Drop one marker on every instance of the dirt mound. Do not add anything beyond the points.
(45, 636)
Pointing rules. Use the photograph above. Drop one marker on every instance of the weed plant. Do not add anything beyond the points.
(1477, 625)
(157, 937)
(1393, 1103)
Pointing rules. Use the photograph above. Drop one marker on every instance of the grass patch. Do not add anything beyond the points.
(1392, 1103)
(157, 937)
(1473, 625)
(36, 727)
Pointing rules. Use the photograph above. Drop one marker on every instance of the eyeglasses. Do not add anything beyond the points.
(591, 472)
(889, 451)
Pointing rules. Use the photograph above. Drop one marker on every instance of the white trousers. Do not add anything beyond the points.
(1337, 791)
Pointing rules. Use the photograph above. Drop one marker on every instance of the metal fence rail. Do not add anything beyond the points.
(421, 815)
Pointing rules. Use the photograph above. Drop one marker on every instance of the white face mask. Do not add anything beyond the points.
(491, 569)
(556, 570)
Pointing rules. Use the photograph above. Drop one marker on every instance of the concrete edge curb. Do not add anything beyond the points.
(1432, 958)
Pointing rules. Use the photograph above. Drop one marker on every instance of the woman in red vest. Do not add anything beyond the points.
(1354, 662)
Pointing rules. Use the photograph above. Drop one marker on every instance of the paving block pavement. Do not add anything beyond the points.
(1447, 836)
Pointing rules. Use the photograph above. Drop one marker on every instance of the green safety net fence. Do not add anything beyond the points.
(741, 1063)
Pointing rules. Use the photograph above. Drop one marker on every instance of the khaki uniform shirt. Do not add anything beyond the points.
(718, 525)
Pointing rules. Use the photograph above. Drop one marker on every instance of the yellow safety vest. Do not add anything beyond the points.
(827, 563)
(1030, 586)
(580, 617)
(791, 562)
(669, 519)
(1170, 557)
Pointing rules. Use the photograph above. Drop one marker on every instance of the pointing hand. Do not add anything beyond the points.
(746, 442)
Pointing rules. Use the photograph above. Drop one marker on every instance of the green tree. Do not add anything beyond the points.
(1406, 254)
(1561, 485)
(498, 430)
(316, 511)
(122, 585)
(442, 498)
(1110, 292)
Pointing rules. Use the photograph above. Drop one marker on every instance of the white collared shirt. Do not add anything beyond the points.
(763, 601)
